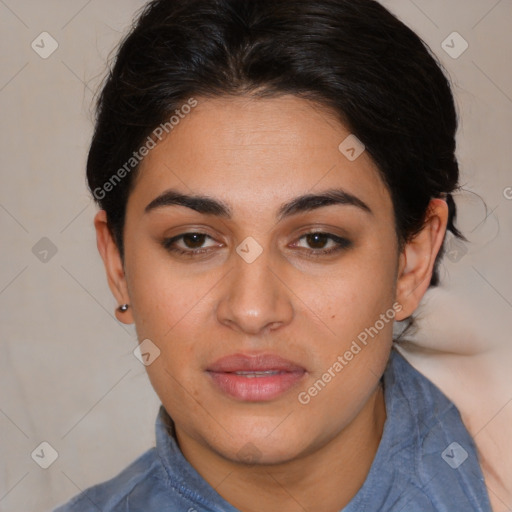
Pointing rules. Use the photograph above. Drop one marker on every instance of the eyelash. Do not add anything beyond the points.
(342, 243)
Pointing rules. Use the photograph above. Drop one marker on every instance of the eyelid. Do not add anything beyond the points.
(328, 235)
(170, 240)
(340, 241)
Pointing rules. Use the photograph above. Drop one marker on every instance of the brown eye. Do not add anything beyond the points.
(193, 240)
(317, 242)
(192, 244)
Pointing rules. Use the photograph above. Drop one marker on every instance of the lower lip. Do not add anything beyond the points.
(256, 389)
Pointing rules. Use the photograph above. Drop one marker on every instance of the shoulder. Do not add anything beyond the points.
(143, 476)
(429, 444)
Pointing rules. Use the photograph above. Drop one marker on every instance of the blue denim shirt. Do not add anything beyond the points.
(426, 461)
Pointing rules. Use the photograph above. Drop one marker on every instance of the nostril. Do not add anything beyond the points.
(273, 326)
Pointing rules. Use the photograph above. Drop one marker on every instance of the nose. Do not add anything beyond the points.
(254, 297)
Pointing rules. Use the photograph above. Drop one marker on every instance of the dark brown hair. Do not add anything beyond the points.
(352, 56)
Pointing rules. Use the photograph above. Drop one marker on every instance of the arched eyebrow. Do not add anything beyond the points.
(211, 206)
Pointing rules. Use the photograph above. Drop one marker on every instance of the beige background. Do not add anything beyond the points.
(68, 375)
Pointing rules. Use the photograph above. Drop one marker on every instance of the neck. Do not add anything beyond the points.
(324, 480)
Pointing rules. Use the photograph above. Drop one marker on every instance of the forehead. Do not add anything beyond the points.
(249, 151)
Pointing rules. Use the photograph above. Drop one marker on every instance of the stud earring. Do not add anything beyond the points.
(123, 307)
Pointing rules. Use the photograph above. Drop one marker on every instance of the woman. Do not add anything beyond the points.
(275, 186)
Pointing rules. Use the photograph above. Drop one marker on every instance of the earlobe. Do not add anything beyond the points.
(418, 257)
(113, 265)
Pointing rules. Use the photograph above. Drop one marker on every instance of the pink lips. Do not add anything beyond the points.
(255, 378)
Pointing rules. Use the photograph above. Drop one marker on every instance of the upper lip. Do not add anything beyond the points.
(259, 362)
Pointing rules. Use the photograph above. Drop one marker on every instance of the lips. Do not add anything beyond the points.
(254, 378)
(260, 362)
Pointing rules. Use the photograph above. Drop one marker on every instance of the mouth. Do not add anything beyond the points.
(255, 378)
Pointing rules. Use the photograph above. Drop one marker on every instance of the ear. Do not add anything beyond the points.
(417, 259)
(113, 265)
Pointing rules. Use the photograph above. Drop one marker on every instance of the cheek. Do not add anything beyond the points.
(354, 295)
(358, 341)
(359, 312)
(164, 295)
(172, 307)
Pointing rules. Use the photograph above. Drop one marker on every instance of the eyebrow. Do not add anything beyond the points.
(210, 206)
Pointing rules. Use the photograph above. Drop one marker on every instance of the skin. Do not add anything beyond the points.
(255, 155)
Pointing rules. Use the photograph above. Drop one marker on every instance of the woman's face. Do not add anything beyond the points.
(261, 311)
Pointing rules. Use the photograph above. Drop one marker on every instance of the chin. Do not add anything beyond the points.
(263, 448)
